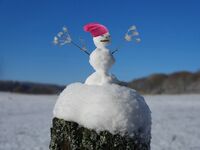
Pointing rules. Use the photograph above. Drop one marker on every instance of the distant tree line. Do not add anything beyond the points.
(30, 88)
(175, 83)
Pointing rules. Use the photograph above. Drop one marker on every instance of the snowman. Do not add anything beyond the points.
(100, 59)
(100, 103)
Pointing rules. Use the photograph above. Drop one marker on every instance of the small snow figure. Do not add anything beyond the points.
(100, 59)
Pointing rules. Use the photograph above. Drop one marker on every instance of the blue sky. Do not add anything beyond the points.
(170, 32)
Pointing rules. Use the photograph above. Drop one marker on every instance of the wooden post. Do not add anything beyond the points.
(67, 135)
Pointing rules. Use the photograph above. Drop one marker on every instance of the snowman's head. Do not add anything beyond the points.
(100, 34)
(102, 40)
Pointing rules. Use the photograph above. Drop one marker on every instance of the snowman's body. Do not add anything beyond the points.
(101, 60)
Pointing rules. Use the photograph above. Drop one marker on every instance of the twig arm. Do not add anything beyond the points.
(114, 51)
(80, 48)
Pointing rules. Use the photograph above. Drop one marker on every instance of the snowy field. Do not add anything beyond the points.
(25, 121)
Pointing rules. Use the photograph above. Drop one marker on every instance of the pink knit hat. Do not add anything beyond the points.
(95, 29)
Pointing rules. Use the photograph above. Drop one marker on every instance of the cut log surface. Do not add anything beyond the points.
(66, 135)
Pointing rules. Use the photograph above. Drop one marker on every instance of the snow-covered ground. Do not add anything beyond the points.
(176, 122)
(25, 121)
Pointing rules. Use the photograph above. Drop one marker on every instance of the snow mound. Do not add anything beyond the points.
(109, 107)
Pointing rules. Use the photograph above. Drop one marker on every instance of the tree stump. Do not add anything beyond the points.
(67, 135)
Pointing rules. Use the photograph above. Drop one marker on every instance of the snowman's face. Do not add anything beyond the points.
(102, 40)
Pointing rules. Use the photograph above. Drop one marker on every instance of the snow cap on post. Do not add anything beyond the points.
(95, 29)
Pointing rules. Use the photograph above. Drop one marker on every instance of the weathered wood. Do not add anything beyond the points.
(67, 135)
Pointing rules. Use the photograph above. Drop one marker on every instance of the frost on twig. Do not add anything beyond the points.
(63, 37)
(132, 34)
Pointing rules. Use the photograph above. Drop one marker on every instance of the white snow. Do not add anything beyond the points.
(25, 121)
(176, 122)
(101, 60)
(109, 107)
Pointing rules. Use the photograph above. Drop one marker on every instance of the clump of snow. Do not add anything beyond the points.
(109, 107)
(100, 78)
(101, 60)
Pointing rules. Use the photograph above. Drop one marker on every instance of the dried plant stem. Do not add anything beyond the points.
(114, 51)
(80, 48)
